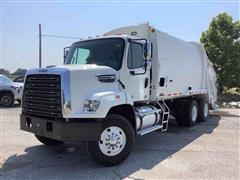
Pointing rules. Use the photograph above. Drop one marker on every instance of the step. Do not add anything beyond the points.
(151, 129)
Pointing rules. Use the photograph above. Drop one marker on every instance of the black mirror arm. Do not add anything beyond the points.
(64, 52)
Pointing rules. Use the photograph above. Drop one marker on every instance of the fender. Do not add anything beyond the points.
(108, 99)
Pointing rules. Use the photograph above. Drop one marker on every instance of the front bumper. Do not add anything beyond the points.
(73, 130)
(18, 94)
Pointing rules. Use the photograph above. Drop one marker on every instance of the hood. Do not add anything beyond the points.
(73, 68)
(18, 84)
(81, 82)
(87, 67)
(84, 82)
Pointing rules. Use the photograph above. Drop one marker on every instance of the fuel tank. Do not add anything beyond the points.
(147, 116)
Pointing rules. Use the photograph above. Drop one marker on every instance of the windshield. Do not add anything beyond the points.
(103, 52)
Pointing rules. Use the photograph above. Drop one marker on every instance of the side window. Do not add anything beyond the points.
(135, 56)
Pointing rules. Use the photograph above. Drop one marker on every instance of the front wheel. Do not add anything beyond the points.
(6, 99)
(115, 142)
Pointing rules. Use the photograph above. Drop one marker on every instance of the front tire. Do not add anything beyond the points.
(115, 142)
(48, 141)
(7, 99)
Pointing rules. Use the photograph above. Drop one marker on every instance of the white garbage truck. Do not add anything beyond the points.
(115, 87)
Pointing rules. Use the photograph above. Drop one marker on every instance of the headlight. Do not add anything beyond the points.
(17, 88)
(91, 105)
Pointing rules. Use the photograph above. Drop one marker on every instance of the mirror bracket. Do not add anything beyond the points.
(65, 53)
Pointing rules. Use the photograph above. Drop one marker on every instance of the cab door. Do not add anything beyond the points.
(137, 77)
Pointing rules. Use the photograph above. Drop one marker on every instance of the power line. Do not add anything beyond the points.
(34, 40)
(25, 52)
(56, 36)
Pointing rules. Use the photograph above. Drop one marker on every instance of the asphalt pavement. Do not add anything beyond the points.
(209, 150)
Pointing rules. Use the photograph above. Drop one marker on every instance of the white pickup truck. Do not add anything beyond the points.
(118, 86)
(9, 91)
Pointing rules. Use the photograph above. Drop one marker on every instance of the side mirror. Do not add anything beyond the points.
(65, 53)
(147, 64)
(148, 50)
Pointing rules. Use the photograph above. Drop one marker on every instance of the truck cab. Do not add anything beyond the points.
(128, 56)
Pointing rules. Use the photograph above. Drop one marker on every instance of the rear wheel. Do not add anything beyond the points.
(203, 110)
(179, 113)
(6, 99)
(115, 142)
(48, 141)
(190, 113)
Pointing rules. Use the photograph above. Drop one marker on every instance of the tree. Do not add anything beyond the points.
(4, 72)
(19, 72)
(222, 43)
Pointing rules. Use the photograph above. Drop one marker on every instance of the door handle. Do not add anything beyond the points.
(132, 72)
(146, 83)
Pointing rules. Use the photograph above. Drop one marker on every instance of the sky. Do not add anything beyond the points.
(19, 23)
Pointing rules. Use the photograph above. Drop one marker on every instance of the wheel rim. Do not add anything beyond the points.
(205, 110)
(113, 140)
(6, 100)
(194, 113)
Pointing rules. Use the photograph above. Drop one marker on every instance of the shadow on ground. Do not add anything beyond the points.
(15, 105)
(72, 160)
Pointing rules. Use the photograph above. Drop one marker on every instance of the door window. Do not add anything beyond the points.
(135, 56)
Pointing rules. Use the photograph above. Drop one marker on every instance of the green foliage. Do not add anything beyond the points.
(222, 43)
(4, 72)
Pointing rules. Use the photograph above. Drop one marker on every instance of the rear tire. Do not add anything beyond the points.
(7, 99)
(115, 142)
(190, 113)
(48, 141)
(203, 110)
(179, 113)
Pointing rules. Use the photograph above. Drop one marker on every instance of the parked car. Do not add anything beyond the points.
(19, 79)
(9, 91)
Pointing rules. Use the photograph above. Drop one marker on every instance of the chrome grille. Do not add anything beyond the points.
(42, 95)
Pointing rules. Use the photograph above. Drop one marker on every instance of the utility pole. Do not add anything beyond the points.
(40, 45)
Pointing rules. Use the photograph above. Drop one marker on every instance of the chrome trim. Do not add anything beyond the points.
(148, 130)
(65, 85)
(107, 78)
(66, 98)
